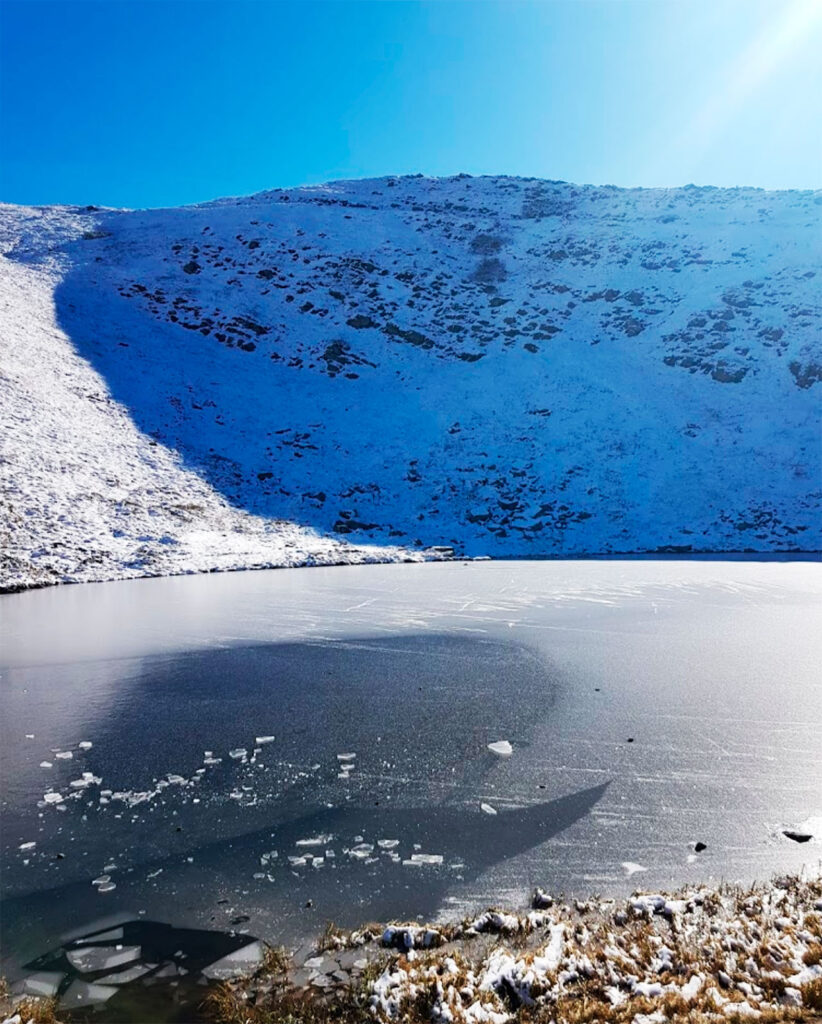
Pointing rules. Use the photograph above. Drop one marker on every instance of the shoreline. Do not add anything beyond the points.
(726, 953)
(729, 953)
(426, 555)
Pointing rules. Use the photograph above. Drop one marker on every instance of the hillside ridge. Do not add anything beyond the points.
(509, 367)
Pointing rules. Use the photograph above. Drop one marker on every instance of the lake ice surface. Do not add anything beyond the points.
(268, 751)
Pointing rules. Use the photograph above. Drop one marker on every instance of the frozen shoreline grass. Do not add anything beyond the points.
(727, 954)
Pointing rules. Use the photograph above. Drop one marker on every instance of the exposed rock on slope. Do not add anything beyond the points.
(512, 367)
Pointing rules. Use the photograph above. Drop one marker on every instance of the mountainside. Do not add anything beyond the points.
(361, 370)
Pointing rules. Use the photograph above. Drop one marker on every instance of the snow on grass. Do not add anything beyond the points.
(702, 954)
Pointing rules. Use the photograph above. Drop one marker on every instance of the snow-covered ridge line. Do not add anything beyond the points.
(365, 370)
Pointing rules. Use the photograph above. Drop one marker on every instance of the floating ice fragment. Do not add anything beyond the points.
(46, 764)
(388, 844)
(106, 887)
(630, 867)
(488, 809)
(314, 841)
(88, 959)
(52, 798)
(422, 859)
(101, 880)
(41, 983)
(260, 740)
(27, 846)
(502, 748)
(81, 993)
(87, 779)
(85, 744)
(346, 757)
(238, 753)
(241, 961)
(64, 755)
(360, 852)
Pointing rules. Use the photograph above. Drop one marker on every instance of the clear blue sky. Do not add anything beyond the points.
(161, 103)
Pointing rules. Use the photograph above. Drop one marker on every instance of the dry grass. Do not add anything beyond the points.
(245, 1003)
(812, 995)
(31, 1010)
(812, 955)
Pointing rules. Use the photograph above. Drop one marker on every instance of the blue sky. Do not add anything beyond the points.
(161, 103)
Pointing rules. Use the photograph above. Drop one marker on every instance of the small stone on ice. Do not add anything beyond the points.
(798, 837)
(502, 748)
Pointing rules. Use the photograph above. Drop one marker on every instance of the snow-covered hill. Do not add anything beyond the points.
(511, 367)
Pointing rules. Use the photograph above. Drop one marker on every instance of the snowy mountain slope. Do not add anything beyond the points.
(508, 366)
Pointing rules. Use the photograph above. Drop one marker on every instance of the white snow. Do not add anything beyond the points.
(206, 388)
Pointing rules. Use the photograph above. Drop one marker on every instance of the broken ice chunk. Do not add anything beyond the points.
(422, 859)
(85, 745)
(314, 841)
(237, 753)
(88, 959)
(125, 976)
(632, 868)
(260, 740)
(502, 748)
(346, 757)
(241, 961)
(27, 846)
(64, 755)
(46, 764)
(87, 779)
(52, 798)
(81, 993)
(41, 983)
(362, 851)
(488, 809)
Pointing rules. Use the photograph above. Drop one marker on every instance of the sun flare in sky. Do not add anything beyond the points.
(796, 26)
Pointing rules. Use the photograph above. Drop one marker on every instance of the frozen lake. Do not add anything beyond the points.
(649, 705)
